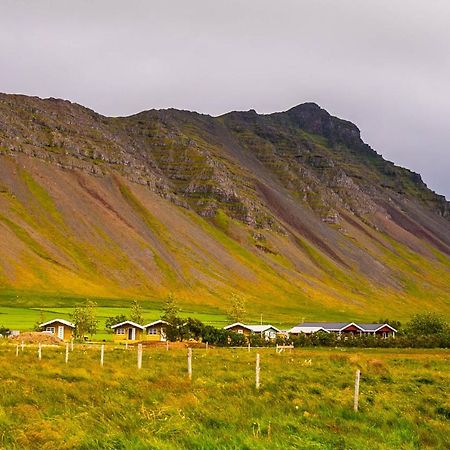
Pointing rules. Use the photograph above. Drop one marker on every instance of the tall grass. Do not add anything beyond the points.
(305, 400)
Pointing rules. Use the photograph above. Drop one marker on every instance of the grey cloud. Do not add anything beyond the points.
(382, 64)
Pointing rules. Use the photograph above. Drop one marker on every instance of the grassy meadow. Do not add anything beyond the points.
(305, 400)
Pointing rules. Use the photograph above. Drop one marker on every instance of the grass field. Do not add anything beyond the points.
(24, 318)
(305, 399)
(21, 310)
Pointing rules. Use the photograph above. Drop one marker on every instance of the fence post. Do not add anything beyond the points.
(258, 369)
(17, 350)
(167, 345)
(71, 345)
(126, 345)
(206, 346)
(22, 345)
(189, 363)
(67, 352)
(356, 396)
(139, 356)
(249, 346)
(39, 350)
(102, 354)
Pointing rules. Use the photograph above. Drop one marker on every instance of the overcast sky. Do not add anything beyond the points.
(383, 64)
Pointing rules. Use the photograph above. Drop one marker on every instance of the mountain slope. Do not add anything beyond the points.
(291, 209)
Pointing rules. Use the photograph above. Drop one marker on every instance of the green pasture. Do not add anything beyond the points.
(305, 400)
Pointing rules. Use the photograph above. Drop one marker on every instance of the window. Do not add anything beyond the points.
(120, 331)
(152, 331)
(50, 330)
(240, 331)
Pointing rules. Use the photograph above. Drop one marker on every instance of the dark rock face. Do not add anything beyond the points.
(313, 119)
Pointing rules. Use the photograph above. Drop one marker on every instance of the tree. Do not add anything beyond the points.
(177, 329)
(113, 320)
(84, 319)
(4, 331)
(426, 324)
(237, 310)
(195, 328)
(393, 323)
(170, 309)
(37, 325)
(136, 313)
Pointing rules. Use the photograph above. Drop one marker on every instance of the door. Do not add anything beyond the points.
(131, 334)
(61, 332)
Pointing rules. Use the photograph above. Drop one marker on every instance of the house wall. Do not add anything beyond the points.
(351, 329)
(384, 330)
(159, 336)
(270, 334)
(124, 337)
(243, 331)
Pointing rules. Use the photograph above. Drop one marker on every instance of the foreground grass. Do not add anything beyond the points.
(305, 400)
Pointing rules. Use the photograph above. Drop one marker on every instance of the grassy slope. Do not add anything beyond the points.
(301, 404)
(66, 258)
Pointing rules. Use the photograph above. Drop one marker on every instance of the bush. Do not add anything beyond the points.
(114, 320)
(4, 331)
(426, 324)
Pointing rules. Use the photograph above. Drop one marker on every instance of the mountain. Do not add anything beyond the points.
(291, 209)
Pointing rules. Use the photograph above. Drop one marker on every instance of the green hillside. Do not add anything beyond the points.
(292, 210)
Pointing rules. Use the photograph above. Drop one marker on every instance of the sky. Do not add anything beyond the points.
(382, 64)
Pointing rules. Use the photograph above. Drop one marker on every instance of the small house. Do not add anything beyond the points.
(128, 331)
(155, 331)
(265, 331)
(378, 329)
(61, 328)
(345, 328)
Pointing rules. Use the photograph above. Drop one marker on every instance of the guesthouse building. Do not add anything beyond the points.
(60, 328)
(128, 331)
(345, 328)
(155, 331)
(268, 332)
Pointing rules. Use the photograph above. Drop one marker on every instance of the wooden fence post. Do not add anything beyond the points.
(67, 352)
(39, 350)
(17, 350)
(356, 396)
(139, 356)
(249, 346)
(102, 354)
(71, 345)
(167, 345)
(22, 345)
(126, 345)
(189, 363)
(206, 346)
(257, 371)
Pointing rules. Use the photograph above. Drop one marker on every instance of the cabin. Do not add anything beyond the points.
(128, 331)
(378, 329)
(61, 328)
(345, 328)
(156, 331)
(268, 332)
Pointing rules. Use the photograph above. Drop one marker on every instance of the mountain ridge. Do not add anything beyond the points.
(294, 200)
